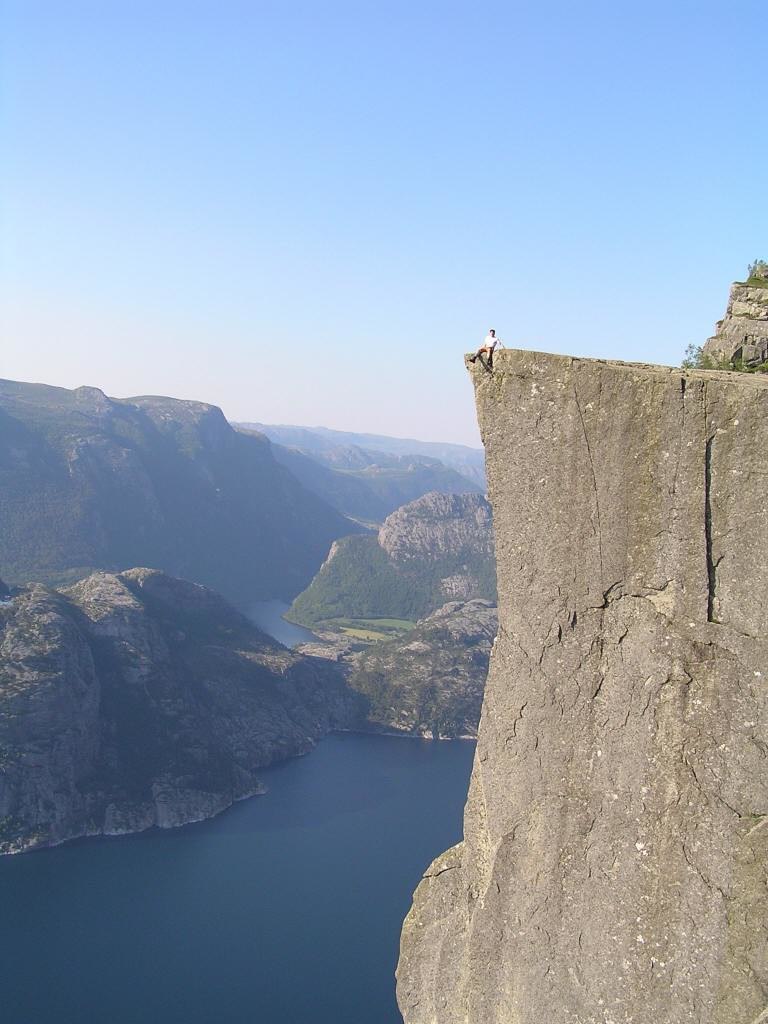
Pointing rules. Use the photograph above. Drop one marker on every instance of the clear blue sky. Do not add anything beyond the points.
(306, 212)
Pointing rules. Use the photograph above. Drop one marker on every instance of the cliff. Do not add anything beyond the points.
(90, 482)
(136, 699)
(613, 868)
(742, 334)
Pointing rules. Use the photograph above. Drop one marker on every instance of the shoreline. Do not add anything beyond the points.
(260, 790)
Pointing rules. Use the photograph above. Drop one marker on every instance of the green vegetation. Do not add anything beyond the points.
(369, 630)
(697, 359)
(360, 582)
(757, 275)
(366, 635)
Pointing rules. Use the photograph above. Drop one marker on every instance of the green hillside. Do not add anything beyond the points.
(427, 553)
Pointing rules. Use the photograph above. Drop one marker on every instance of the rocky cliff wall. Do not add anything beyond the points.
(743, 331)
(613, 868)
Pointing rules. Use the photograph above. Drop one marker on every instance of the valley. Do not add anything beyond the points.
(133, 697)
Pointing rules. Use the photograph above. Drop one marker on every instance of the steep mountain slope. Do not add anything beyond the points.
(88, 482)
(345, 492)
(615, 850)
(433, 550)
(136, 699)
(430, 681)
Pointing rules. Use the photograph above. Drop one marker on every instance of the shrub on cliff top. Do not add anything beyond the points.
(697, 359)
(757, 274)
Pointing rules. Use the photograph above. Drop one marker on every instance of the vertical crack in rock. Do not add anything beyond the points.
(598, 530)
(614, 860)
(711, 566)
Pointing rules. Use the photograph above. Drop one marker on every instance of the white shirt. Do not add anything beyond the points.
(491, 342)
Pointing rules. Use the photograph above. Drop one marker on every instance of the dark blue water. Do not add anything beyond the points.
(284, 910)
(268, 615)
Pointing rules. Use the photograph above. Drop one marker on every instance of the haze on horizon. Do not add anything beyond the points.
(306, 213)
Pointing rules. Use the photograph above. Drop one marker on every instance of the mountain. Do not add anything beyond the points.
(361, 483)
(430, 681)
(432, 550)
(346, 493)
(90, 482)
(370, 485)
(615, 846)
(135, 699)
(338, 448)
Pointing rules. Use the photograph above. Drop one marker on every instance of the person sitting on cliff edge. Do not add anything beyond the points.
(490, 343)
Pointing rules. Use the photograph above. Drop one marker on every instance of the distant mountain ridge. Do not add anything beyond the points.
(367, 483)
(322, 441)
(91, 482)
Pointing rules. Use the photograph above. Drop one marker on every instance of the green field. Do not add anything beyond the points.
(369, 630)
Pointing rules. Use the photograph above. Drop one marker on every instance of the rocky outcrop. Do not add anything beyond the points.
(135, 699)
(615, 853)
(742, 335)
(428, 682)
(438, 526)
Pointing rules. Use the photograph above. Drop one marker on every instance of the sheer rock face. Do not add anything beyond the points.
(613, 869)
(743, 332)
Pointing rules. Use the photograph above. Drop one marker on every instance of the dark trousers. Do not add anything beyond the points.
(486, 363)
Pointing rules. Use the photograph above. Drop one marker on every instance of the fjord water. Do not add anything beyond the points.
(286, 909)
(268, 615)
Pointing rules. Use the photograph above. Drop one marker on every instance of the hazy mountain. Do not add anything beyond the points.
(336, 448)
(436, 549)
(345, 492)
(136, 699)
(370, 485)
(88, 481)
